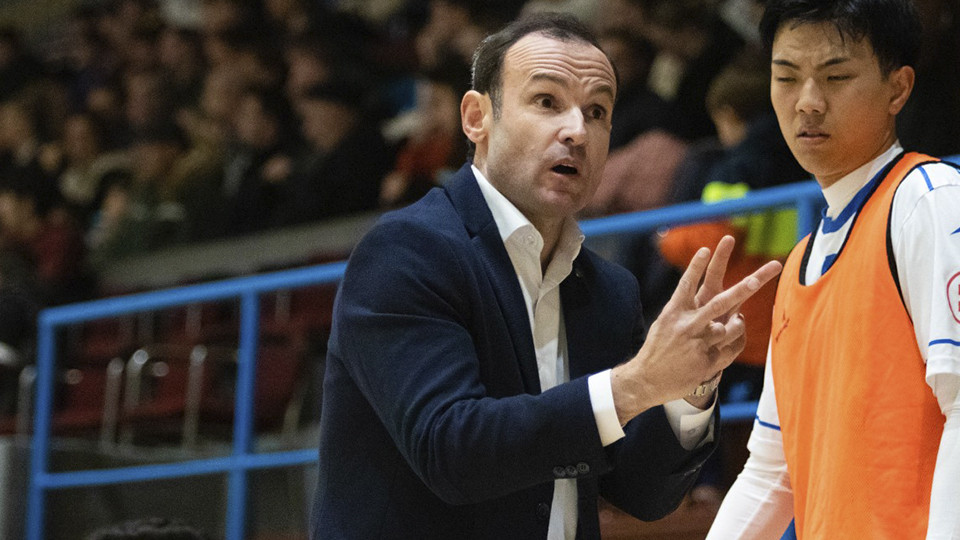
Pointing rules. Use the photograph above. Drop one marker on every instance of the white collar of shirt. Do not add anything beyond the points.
(841, 192)
(519, 234)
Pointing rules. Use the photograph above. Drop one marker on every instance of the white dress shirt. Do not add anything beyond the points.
(925, 234)
(541, 293)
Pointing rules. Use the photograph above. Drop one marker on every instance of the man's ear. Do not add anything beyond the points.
(475, 114)
(901, 82)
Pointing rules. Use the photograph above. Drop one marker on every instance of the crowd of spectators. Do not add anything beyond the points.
(138, 124)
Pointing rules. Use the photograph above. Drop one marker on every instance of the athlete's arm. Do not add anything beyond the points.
(759, 505)
(925, 234)
(944, 521)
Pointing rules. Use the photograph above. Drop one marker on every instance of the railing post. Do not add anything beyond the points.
(243, 414)
(42, 419)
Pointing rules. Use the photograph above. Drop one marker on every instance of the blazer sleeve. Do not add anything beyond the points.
(406, 321)
(651, 472)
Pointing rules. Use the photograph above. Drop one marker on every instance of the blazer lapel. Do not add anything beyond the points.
(466, 197)
(582, 323)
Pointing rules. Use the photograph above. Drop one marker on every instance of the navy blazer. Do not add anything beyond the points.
(433, 422)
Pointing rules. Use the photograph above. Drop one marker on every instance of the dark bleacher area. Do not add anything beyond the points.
(149, 144)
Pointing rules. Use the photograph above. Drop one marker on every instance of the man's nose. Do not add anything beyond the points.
(810, 100)
(574, 128)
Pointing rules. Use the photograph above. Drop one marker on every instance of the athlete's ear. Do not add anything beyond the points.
(475, 116)
(901, 84)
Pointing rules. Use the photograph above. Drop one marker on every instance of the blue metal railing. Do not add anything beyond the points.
(241, 459)
(805, 197)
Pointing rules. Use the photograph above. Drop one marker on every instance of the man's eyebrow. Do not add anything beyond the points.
(536, 77)
(602, 89)
(784, 63)
(831, 62)
(835, 61)
(607, 89)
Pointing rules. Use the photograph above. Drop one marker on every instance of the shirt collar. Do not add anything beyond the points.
(511, 221)
(508, 217)
(839, 194)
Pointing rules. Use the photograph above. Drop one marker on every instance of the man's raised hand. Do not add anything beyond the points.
(695, 337)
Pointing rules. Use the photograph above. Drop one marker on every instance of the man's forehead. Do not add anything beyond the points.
(819, 39)
(538, 55)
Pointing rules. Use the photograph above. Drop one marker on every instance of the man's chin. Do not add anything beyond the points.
(815, 163)
(563, 203)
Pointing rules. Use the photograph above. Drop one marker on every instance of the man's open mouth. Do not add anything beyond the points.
(564, 169)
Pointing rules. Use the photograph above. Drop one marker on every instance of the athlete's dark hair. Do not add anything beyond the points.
(891, 26)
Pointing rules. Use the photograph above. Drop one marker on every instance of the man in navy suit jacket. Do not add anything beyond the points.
(485, 375)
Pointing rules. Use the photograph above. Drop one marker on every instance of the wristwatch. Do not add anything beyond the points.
(707, 387)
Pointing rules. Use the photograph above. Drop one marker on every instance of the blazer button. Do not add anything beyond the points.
(559, 472)
(583, 468)
(571, 471)
(543, 511)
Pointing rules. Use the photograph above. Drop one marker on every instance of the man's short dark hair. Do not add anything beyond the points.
(891, 26)
(488, 58)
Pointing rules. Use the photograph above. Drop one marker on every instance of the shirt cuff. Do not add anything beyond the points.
(692, 426)
(604, 411)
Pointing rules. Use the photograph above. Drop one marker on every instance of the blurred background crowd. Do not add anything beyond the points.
(131, 125)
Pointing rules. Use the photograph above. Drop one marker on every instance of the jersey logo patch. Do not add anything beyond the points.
(953, 296)
(785, 322)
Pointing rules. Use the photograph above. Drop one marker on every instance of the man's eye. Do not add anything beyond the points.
(597, 113)
(545, 101)
(837, 78)
(784, 79)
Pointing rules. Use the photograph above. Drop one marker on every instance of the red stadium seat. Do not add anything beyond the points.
(180, 391)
